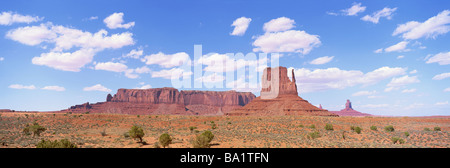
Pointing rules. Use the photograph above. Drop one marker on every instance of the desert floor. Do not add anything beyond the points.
(108, 131)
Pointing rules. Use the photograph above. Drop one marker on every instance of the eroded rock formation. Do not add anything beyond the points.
(279, 96)
(168, 101)
(349, 111)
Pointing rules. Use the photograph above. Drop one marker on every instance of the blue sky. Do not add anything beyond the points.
(387, 57)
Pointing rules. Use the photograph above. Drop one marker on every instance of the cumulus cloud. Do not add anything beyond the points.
(321, 60)
(9, 18)
(279, 24)
(115, 21)
(54, 88)
(97, 87)
(166, 60)
(441, 58)
(447, 89)
(409, 90)
(136, 54)
(378, 51)
(240, 26)
(335, 78)
(354, 10)
(399, 47)
(442, 76)
(145, 87)
(18, 86)
(1, 58)
(431, 28)
(287, 41)
(441, 103)
(399, 82)
(375, 17)
(133, 73)
(66, 61)
(174, 73)
(111, 66)
(400, 56)
(64, 38)
(364, 93)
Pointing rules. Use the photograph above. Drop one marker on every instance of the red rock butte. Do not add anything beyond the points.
(279, 97)
(167, 101)
(349, 111)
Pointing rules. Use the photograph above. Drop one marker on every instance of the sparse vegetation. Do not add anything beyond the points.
(397, 140)
(192, 128)
(34, 128)
(389, 128)
(437, 128)
(63, 143)
(209, 135)
(136, 132)
(406, 134)
(201, 141)
(312, 126)
(427, 129)
(373, 128)
(314, 135)
(329, 127)
(165, 140)
(357, 130)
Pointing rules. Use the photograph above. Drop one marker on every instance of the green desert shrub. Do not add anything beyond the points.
(209, 135)
(34, 128)
(192, 128)
(165, 140)
(397, 140)
(329, 127)
(389, 128)
(437, 128)
(313, 135)
(427, 129)
(312, 126)
(201, 141)
(373, 128)
(63, 143)
(136, 132)
(357, 130)
(406, 134)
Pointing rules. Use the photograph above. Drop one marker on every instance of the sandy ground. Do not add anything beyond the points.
(108, 131)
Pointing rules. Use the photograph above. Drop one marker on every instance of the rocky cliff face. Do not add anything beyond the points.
(285, 102)
(168, 101)
(349, 111)
(284, 86)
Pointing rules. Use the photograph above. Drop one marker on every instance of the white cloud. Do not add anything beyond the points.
(240, 26)
(166, 60)
(441, 58)
(1, 58)
(447, 89)
(93, 18)
(364, 93)
(18, 86)
(354, 10)
(442, 76)
(131, 73)
(111, 66)
(115, 21)
(400, 56)
(441, 103)
(145, 87)
(64, 60)
(97, 87)
(375, 17)
(374, 105)
(8, 18)
(174, 73)
(136, 54)
(396, 83)
(287, 41)
(409, 90)
(54, 88)
(66, 39)
(142, 70)
(335, 78)
(378, 51)
(413, 72)
(322, 60)
(212, 78)
(399, 47)
(279, 24)
(431, 28)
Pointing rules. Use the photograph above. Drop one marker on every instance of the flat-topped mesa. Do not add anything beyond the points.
(168, 101)
(153, 96)
(285, 85)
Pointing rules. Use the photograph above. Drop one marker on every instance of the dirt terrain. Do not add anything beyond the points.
(108, 130)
